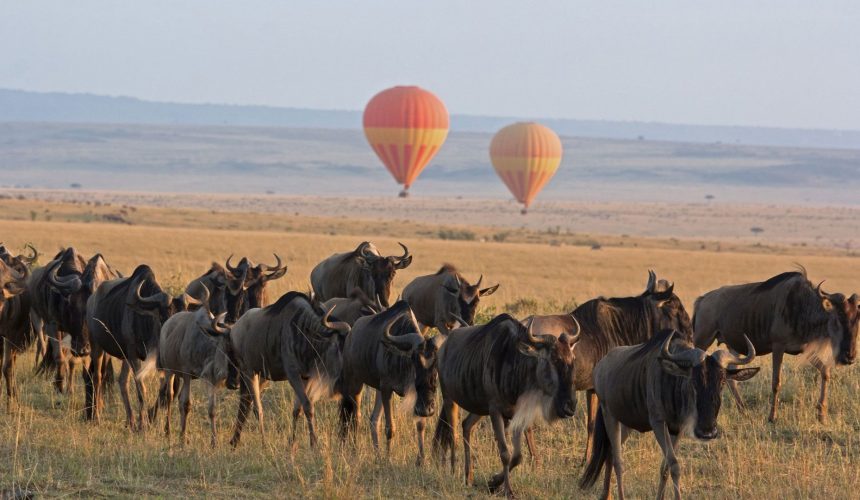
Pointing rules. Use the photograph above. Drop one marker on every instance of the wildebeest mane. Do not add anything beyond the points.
(447, 268)
(378, 320)
(282, 303)
(775, 281)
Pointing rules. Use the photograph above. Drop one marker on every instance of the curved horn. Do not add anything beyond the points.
(154, 299)
(529, 335)
(191, 300)
(32, 258)
(378, 304)
(478, 284)
(363, 251)
(65, 284)
(277, 266)
(726, 358)
(689, 357)
(405, 251)
(403, 261)
(405, 343)
(230, 268)
(342, 327)
(575, 336)
(652, 282)
(218, 326)
(275, 271)
(821, 293)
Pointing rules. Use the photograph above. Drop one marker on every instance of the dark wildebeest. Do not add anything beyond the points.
(14, 314)
(666, 386)
(503, 370)
(124, 318)
(607, 323)
(353, 307)
(363, 268)
(445, 299)
(215, 284)
(292, 340)
(386, 352)
(253, 294)
(783, 315)
(58, 302)
(193, 345)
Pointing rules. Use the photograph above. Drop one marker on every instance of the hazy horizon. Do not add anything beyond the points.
(769, 64)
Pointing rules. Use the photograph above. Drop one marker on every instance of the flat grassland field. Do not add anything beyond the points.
(49, 450)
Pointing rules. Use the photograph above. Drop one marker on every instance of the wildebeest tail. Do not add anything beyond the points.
(443, 438)
(601, 453)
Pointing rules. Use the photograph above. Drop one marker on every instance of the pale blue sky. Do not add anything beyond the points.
(742, 62)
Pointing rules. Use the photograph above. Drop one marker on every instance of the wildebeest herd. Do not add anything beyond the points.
(641, 360)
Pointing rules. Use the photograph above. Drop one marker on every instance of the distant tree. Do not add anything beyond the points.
(709, 197)
(756, 230)
(75, 185)
(640, 138)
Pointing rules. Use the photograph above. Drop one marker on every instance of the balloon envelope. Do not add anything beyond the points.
(525, 156)
(405, 126)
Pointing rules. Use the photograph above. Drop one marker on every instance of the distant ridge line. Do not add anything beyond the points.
(28, 106)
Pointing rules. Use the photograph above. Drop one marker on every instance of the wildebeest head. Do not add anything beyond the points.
(845, 316)
(380, 269)
(708, 374)
(150, 300)
(422, 352)
(13, 276)
(555, 371)
(467, 296)
(671, 312)
(332, 334)
(258, 276)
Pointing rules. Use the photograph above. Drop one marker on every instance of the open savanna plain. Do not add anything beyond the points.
(48, 449)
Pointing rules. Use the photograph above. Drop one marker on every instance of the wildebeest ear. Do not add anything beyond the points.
(827, 305)
(488, 291)
(741, 374)
(675, 369)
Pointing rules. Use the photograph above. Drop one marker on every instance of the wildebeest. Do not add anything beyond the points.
(292, 340)
(783, 315)
(15, 326)
(666, 386)
(215, 284)
(364, 268)
(445, 299)
(386, 352)
(194, 345)
(124, 317)
(253, 293)
(503, 370)
(610, 322)
(58, 294)
(353, 307)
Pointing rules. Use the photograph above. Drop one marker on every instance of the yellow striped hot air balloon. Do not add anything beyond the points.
(405, 126)
(525, 156)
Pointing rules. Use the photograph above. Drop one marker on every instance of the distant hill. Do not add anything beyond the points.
(25, 106)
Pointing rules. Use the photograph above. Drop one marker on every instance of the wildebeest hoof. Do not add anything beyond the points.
(495, 483)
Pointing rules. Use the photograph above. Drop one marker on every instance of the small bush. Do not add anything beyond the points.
(456, 234)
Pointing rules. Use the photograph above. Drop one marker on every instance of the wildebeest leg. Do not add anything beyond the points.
(52, 335)
(504, 455)
(419, 434)
(213, 402)
(123, 390)
(93, 385)
(258, 405)
(168, 388)
(389, 420)
(775, 382)
(298, 386)
(374, 420)
(9, 355)
(245, 399)
(297, 412)
(616, 438)
(530, 443)
(184, 406)
(39, 335)
(590, 416)
(140, 390)
(822, 400)
(516, 459)
(468, 424)
(670, 463)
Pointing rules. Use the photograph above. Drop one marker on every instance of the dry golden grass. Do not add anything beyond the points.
(49, 450)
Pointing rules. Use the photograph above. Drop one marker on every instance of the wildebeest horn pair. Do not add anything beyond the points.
(572, 338)
(694, 357)
(404, 343)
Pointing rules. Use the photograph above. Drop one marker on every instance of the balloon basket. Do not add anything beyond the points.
(404, 194)
(524, 211)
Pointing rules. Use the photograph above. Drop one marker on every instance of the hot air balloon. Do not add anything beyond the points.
(526, 156)
(405, 126)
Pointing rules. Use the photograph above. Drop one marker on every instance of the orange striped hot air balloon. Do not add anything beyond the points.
(526, 156)
(405, 126)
